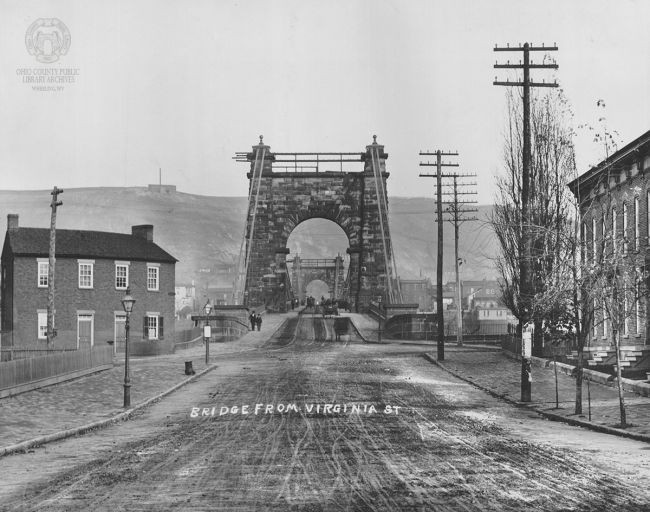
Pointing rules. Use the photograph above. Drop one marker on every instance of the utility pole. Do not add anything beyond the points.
(525, 256)
(51, 333)
(439, 175)
(458, 210)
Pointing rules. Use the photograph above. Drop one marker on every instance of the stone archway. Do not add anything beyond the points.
(280, 200)
(330, 271)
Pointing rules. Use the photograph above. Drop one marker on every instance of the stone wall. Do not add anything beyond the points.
(282, 200)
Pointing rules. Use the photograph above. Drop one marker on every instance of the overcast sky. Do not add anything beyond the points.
(182, 85)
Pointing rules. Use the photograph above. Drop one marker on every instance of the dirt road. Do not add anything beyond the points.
(307, 423)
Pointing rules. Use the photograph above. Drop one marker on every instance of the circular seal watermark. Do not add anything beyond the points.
(47, 39)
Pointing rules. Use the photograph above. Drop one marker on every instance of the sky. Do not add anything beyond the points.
(182, 85)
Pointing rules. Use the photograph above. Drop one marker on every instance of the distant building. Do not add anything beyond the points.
(448, 298)
(93, 271)
(418, 291)
(162, 189)
(184, 297)
(485, 293)
(486, 313)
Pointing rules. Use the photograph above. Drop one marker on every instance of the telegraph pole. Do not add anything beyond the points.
(51, 333)
(526, 255)
(439, 175)
(458, 210)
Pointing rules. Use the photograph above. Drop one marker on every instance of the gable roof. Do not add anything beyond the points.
(71, 243)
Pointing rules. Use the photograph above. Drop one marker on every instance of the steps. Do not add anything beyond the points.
(633, 357)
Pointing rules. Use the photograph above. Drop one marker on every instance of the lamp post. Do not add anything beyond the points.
(206, 330)
(379, 331)
(127, 304)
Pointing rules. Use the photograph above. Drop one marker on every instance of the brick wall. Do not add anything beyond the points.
(103, 300)
(630, 187)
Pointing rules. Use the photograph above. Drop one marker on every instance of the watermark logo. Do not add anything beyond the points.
(47, 39)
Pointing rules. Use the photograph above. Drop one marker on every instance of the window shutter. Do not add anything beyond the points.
(144, 327)
(160, 328)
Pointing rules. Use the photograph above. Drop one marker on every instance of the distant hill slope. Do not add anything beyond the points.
(204, 231)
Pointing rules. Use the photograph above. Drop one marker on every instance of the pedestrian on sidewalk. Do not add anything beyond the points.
(258, 320)
(253, 320)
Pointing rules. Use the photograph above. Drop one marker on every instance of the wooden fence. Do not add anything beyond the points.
(38, 369)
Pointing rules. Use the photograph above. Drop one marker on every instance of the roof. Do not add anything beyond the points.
(625, 153)
(72, 243)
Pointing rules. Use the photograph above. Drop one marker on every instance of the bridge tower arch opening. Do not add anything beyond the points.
(318, 253)
(286, 189)
(318, 289)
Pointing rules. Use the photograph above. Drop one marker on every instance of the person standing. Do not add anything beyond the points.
(259, 322)
(253, 320)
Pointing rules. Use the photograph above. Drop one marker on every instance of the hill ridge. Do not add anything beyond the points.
(205, 231)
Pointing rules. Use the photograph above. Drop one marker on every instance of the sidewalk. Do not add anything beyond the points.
(491, 370)
(100, 396)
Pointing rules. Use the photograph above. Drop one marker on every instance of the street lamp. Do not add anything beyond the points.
(206, 330)
(379, 331)
(127, 304)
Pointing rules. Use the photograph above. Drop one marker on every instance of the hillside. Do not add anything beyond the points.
(203, 232)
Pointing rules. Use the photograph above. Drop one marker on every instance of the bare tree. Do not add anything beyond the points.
(602, 283)
(553, 164)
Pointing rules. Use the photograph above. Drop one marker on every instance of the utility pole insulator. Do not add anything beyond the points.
(525, 273)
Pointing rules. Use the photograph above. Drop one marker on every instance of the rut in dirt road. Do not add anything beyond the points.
(333, 427)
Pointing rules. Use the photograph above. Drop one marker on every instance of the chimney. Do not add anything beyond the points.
(12, 221)
(143, 231)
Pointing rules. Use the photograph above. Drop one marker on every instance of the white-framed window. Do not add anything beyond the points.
(604, 230)
(152, 328)
(614, 233)
(121, 275)
(594, 320)
(647, 204)
(153, 277)
(626, 313)
(42, 324)
(593, 238)
(86, 271)
(637, 230)
(43, 272)
(625, 243)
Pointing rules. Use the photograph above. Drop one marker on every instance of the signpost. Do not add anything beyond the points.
(207, 331)
(207, 334)
(526, 355)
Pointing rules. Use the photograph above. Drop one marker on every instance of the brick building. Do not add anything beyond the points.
(614, 197)
(418, 291)
(93, 271)
(485, 293)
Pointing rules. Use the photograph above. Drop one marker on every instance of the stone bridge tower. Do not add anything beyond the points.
(286, 189)
(330, 271)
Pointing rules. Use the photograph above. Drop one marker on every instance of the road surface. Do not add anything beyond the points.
(308, 423)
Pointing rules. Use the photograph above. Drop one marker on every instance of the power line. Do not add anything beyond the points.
(525, 290)
(439, 176)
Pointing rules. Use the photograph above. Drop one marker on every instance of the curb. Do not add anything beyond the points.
(548, 415)
(123, 416)
(632, 386)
